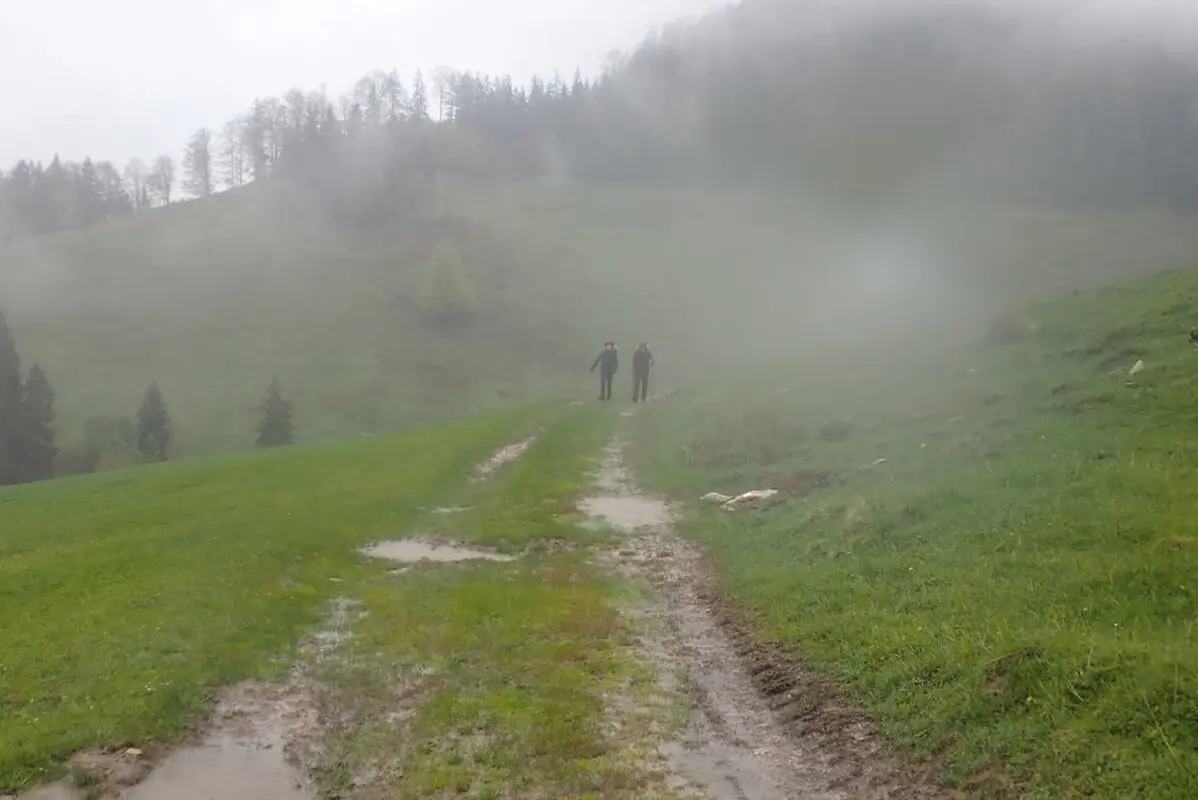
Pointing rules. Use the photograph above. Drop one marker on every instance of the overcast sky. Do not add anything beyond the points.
(123, 78)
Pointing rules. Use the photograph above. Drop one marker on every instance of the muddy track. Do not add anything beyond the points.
(761, 728)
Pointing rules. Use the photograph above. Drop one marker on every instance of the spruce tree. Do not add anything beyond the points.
(276, 428)
(36, 450)
(153, 425)
(10, 406)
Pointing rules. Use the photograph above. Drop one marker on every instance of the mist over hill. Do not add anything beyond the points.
(771, 178)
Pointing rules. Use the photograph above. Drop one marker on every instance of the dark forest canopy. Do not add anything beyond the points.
(913, 98)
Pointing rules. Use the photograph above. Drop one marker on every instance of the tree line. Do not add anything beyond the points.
(28, 438)
(763, 93)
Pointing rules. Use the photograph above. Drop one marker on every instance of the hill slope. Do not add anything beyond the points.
(1012, 589)
(211, 298)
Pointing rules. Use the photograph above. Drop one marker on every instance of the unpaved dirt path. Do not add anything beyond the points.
(735, 745)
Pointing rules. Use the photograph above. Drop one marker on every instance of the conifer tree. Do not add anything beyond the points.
(35, 449)
(418, 103)
(10, 406)
(276, 428)
(153, 426)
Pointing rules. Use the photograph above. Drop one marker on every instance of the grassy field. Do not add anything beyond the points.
(211, 298)
(513, 664)
(127, 597)
(1012, 592)
(133, 596)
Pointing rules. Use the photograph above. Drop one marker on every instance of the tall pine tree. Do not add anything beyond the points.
(153, 425)
(276, 428)
(36, 450)
(10, 406)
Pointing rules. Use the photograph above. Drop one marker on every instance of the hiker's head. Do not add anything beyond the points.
(609, 345)
(643, 346)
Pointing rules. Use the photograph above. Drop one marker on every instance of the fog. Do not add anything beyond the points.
(133, 78)
(773, 181)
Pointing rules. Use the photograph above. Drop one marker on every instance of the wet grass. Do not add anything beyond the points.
(1013, 591)
(126, 598)
(493, 679)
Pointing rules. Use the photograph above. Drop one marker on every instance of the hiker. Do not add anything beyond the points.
(608, 361)
(642, 362)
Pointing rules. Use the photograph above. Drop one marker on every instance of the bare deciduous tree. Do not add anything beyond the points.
(161, 181)
(197, 164)
(137, 177)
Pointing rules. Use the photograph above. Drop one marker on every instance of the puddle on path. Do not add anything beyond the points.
(227, 768)
(257, 747)
(410, 551)
(627, 513)
(263, 736)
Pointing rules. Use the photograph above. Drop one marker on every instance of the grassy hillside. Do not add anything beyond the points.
(211, 298)
(134, 595)
(1012, 592)
(128, 596)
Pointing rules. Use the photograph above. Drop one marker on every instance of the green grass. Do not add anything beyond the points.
(127, 597)
(133, 595)
(1012, 593)
(535, 507)
(494, 678)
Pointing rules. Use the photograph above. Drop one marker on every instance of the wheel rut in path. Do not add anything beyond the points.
(739, 743)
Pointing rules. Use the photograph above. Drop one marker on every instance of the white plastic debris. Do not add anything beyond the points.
(1137, 369)
(731, 503)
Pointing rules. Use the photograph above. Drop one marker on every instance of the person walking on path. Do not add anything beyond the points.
(642, 364)
(608, 361)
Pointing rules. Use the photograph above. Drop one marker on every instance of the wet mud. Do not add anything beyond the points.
(760, 729)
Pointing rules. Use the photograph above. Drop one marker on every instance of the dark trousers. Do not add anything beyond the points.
(640, 386)
(605, 385)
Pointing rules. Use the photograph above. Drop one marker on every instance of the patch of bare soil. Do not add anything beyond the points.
(95, 774)
(762, 728)
(502, 456)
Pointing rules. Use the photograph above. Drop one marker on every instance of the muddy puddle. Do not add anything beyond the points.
(224, 768)
(257, 747)
(734, 745)
(628, 513)
(261, 739)
(412, 551)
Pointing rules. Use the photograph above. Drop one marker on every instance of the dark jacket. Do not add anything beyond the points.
(642, 360)
(608, 361)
